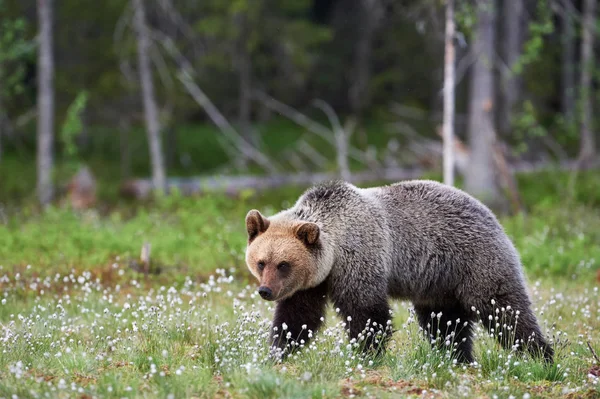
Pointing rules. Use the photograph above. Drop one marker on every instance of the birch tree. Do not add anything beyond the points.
(45, 102)
(448, 124)
(512, 24)
(148, 96)
(480, 175)
(587, 150)
(567, 38)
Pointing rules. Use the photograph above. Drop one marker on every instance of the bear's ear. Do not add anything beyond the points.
(308, 233)
(256, 223)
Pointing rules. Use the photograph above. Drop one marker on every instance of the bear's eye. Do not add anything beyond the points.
(261, 265)
(283, 266)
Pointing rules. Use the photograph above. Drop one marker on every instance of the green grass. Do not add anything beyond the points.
(136, 338)
(78, 320)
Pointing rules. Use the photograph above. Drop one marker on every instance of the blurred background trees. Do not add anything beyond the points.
(291, 91)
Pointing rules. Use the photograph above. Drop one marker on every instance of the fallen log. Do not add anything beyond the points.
(142, 188)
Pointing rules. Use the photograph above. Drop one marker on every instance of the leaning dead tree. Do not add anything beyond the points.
(338, 136)
(185, 74)
(341, 136)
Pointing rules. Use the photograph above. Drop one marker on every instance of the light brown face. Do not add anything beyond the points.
(279, 255)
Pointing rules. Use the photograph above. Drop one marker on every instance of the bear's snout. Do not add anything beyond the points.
(265, 292)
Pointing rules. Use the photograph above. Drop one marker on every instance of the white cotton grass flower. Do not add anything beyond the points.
(179, 323)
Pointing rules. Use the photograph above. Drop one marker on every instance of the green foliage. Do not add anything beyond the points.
(466, 16)
(558, 237)
(258, 28)
(539, 28)
(15, 48)
(72, 125)
(194, 237)
(88, 56)
(526, 125)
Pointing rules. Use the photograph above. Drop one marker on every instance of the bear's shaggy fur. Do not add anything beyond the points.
(419, 240)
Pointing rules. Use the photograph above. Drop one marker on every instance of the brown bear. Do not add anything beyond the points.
(418, 240)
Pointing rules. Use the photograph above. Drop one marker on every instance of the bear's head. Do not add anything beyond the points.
(282, 254)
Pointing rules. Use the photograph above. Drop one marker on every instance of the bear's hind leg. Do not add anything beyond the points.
(298, 317)
(502, 321)
(447, 327)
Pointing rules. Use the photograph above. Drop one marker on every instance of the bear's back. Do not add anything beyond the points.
(441, 235)
(433, 205)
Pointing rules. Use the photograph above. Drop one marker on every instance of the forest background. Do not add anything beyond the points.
(224, 106)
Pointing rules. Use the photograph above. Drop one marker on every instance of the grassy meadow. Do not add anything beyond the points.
(79, 319)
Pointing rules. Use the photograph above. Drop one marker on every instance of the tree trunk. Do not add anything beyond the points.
(245, 96)
(513, 15)
(1, 123)
(150, 108)
(245, 87)
(1, 130)
(587, 150)
(125, 151)
(568, 63)
(448, 124)
(245, 75)
(480, 177)
(359, 91)
(45, 122)
(171, 146)
(371, 12)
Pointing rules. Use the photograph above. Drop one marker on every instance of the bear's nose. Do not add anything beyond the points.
(265, 292)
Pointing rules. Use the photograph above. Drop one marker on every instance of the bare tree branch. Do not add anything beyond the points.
(406, 111)
(299, 118)
(161, 67)
(118, 36)
(187, 31)
(312, 154)
(294, 115)
(341, 138)
(185, 77)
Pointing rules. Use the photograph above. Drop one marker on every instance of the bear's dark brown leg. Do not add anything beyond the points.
(368, 324)
(448, 327)
(297, 318)
(502, 321)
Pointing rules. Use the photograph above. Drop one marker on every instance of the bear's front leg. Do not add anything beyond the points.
(297, 318)
(366, 319)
